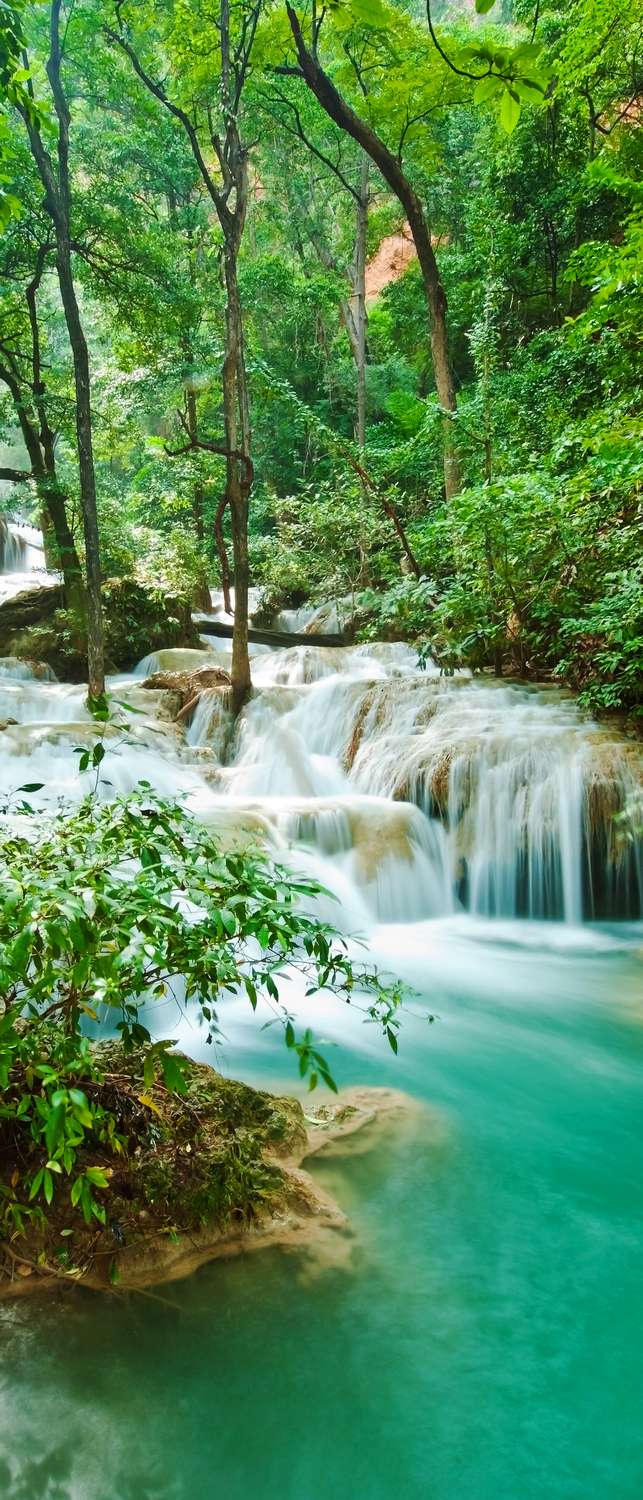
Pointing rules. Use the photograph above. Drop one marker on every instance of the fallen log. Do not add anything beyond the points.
(269, 637)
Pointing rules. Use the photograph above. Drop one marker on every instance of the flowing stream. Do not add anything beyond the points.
(478, 1335)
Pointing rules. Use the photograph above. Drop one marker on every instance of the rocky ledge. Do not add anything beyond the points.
(214, 1173)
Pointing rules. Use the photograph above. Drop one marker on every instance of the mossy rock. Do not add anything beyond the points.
(139, 618)
(217, 1156)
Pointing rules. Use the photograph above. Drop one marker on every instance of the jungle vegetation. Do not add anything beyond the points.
(200, 379)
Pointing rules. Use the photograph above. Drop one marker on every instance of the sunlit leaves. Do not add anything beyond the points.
(509, 77)
(509, 112)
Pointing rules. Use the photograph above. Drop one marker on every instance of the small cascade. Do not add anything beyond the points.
(31, 701)
(294, 621)
(420, 796)
(21, 547)
(25, 671)
(21, 556)
(212, 722)
(523, 789)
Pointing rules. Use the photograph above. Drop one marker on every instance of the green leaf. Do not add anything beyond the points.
(54, 1127)
(528, 51)
(36, 1183)
(173, 1069)
(487, 88)
(482, 6)
(509, 111)
(97, 1176)
(528, 89)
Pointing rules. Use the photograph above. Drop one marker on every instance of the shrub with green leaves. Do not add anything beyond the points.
(105, 914)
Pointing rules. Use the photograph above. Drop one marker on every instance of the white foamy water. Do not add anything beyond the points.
(422, 795)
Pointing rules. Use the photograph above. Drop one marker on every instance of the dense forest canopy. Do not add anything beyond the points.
(202, 375)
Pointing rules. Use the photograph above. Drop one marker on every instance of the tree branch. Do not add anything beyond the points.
(16, 476)
(218, 448)
(174, 109)
(299, 134)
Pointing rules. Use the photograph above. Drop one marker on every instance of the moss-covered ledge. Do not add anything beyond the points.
(209, 1174)
(139, 618)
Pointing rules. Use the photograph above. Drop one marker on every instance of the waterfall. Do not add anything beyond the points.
(21, 556)
(518, 789)
(419, 796)
(21, 547)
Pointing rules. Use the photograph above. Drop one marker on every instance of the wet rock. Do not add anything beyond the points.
(189, 686)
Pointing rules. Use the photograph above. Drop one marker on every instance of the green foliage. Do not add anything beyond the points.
(527, 158)
(141, 618)
(100, 911)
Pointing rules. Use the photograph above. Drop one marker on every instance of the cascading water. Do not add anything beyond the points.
(517, 789)
(430, 794)
(22, 558)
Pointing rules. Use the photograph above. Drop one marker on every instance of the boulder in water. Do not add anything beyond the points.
(188, 686)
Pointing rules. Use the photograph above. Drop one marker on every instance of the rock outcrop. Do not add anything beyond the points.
(214, 1173)
(35, 626)
(188, 686)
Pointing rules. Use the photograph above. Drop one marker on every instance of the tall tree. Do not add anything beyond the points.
(390, 165)
(217, 58)
(55, 176)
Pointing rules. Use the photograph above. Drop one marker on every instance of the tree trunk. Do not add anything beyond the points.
(197, 490)
(80, 355)
(353, 310)
(360, 302)
(222, 551)
(237, 485)
(345, 117)
(58, 205)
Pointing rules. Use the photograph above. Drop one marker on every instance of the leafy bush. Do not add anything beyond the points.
(100, 911)
(141, 618)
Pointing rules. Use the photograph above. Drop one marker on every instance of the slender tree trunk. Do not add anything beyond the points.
(80, 355)
(353, 310)
(197, 490)
(55, 502)
(226, 581)
(343, 115)
(236, 436)
(56, 184)
(360, 302)
(228, 190)
(65, 556)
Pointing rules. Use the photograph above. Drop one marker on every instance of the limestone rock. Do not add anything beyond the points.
(188, 686)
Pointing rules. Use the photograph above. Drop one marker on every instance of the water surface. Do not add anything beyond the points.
(483, 1339)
